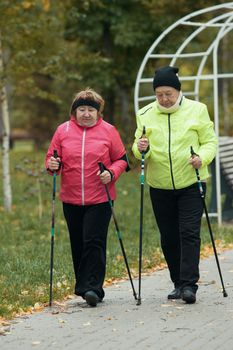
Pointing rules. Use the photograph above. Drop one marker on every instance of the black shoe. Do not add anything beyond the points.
(188, 295)
(175, 294)
(91, 298)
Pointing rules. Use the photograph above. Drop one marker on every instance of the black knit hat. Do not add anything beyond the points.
(167, 76)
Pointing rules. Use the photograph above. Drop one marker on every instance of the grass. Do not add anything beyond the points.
(26, 233)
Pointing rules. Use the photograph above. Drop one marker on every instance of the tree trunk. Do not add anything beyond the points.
(5, 141)
(127, 127)
(124, 107)
(109, 109)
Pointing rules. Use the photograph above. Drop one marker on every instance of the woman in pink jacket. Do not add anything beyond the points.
(81, 143)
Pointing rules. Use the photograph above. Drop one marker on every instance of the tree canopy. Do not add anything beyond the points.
(53, 49)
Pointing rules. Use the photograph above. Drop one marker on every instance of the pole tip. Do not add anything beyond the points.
(139, 301)
(225, 294)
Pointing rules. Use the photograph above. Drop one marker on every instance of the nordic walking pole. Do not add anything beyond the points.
(141, 220)
(101, 166)
(52, 233)
(208, 222)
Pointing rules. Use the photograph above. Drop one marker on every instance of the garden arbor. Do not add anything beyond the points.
(201, 45)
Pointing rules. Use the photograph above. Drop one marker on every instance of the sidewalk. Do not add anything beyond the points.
(118, 323)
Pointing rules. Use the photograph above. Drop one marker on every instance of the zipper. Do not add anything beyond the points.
(82, 166)
(169, 149)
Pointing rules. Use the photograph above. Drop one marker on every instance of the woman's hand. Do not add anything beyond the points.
(143, 144)
(195, 161)
(54, 163)
(105, 177)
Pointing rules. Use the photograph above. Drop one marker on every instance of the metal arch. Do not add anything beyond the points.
(193, 35)
(224, 28)
(216, 114)
(163, 35)
(201, 66)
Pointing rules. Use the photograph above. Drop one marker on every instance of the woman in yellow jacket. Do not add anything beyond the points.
(176, 123)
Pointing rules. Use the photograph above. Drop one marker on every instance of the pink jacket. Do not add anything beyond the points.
(80, 150)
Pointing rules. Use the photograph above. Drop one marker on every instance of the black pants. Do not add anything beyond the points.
(178, 214)
(88, 227)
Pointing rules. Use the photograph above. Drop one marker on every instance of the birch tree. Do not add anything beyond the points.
(30, 46)
(5, 139)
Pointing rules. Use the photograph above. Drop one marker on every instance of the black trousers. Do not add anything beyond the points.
(88, 227)
(178, 214)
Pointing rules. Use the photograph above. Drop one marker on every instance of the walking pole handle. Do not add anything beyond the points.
(144, 131)
(192, 151)
(197, 174)
(55, 155)
(143, 158)
(101, 166)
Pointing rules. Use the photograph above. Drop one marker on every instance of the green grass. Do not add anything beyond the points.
(26, 235)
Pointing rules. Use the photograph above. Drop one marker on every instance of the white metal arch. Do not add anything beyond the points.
(219, 19)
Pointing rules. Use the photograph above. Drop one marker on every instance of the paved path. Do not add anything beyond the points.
(118, 323)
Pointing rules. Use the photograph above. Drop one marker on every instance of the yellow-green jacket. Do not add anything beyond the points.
(170, 137)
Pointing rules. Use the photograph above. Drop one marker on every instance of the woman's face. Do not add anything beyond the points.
(86, 115)
(166, 95)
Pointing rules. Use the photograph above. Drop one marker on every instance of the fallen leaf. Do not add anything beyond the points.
(55, 312)
(71, 296)
(119, 257)
(59, 303)
(24, 292)
(59, 284)
(166, 305)
(61, 321)
(38, 307)
(2, 331)
(36, 342)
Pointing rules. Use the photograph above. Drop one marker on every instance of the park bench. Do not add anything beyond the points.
(226, 159)
(226, 172)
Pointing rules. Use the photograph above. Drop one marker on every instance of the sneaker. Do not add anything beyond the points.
(175, 294)
(188, 295)
(91, 298)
